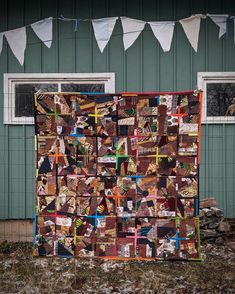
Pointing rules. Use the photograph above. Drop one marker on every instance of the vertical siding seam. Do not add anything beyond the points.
(224, 128)
(206, 41)
(141, 48)
(91, 36)
(206, 161)
(108, 45)
(233, 210)
(158, 80)
(25, 28)
(220, 165)
(7, 170)
(191, 55)
(74, 38)
(224, 171)
(223, 55)
(57, 37)
(41, 63)
(124, 56)
(174, 49)
(24, 174)
(223, 45)
(7, 19)
(23, 151)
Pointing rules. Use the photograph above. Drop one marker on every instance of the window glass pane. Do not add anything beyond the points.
(220, 99)
(82, 87)
(24, 97)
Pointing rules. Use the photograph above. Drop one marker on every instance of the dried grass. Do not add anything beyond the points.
(21, 273)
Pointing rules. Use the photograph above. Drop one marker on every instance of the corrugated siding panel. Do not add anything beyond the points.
(144, 67)
(3, 130)
(218, 165)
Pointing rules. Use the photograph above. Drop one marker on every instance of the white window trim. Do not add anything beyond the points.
(10, 79)
(203, 78)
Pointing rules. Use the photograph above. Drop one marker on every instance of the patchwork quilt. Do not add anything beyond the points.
(117, 175)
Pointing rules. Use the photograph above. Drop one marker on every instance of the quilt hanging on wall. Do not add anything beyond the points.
(117, 175)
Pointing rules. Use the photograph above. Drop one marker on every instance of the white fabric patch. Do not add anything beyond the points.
(62, 221)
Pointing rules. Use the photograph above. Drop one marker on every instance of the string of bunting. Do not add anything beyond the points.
(103, 29)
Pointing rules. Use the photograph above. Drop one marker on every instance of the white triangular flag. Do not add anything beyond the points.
(163, 31)
(131, 30)
(103, 29)
(1, 41)
(17, 42)
(43, 29)
(191, 26)
(221, 21)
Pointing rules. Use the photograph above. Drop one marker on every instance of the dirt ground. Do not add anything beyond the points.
(21, 273)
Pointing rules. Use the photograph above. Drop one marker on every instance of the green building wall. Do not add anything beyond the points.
(144, 67)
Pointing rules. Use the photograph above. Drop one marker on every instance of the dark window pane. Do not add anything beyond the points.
(24, 97)
(82, 88)
(221, 99)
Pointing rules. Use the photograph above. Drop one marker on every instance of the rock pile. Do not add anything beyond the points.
(214, 228)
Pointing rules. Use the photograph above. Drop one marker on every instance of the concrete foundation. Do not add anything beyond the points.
(16, 230)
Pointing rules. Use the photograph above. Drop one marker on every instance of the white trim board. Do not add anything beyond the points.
(204, 78)
(10, 79)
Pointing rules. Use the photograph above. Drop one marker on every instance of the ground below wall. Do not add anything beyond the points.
(21, 273)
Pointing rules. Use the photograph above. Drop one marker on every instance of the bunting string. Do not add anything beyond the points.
(103, 30)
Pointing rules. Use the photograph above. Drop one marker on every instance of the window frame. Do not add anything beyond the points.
(10, 79)
(204, 78)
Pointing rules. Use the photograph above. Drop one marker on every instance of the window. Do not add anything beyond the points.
(218, 103)
(19, 90)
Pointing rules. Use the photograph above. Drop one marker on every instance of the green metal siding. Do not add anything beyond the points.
(144, 67)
